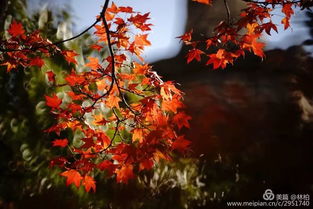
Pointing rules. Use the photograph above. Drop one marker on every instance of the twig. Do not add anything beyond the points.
(227, 11)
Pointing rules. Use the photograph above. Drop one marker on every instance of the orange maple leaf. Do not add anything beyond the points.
(72, 177)
(286, 23)
(16, 29)
(172, 105)
(138, 135)
(93, 63)
(124, 174)
(204, 1)
(112, 101)
(70, 56)
(99, 120)
(60, 143)
(9, 65)
(141, 40)
(218, 59)
(257, 48)
(89, 183)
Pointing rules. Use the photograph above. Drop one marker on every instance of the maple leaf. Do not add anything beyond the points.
(72, 177)
(204, 1)
(70, 56)
(218, 59)
(59, 161)
(88, 142)
(97, 47)
(181, 143)
(268, 27)
(186, 37)
(108, 166)
(74, 79)
(126, 9)
(172, 105)
(141, 40)
(141, 69)
(287, 10)
(93, 63)
(16, 29)
(113, 8)
(75, 96)
(37, 61)
(286, 23)
(138, 134)
(53, 101)
(51, 76)
(181, 120)
(9, 65)
(124, 173)
(257, 48)
(146, 164)
(140, 21)
(99, 120)
(60, 143)
(74, 107)
(112, 101)
(89, 183)
(194, 54)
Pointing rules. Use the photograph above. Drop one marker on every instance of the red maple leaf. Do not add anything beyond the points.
(126, 9)
(146, 164)
(74, 79)
(16, 29)
(72, 177)
(181, 143)
(181, 120)
(37, 61)
(89, 183)
(186, 37)
(108, 166)
(53, 101)
(51, 76)
(194, 54)
(140, 21)
(60, 143)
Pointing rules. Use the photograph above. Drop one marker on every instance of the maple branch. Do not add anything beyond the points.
(65, 40)
(77, 36)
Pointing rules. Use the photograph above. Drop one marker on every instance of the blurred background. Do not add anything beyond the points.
(252, 122)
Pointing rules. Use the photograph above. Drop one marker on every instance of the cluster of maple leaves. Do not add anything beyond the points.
(233, 37)
(123, 115)
(118, 116)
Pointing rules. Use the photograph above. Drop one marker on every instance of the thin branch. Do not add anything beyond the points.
(227, 11)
